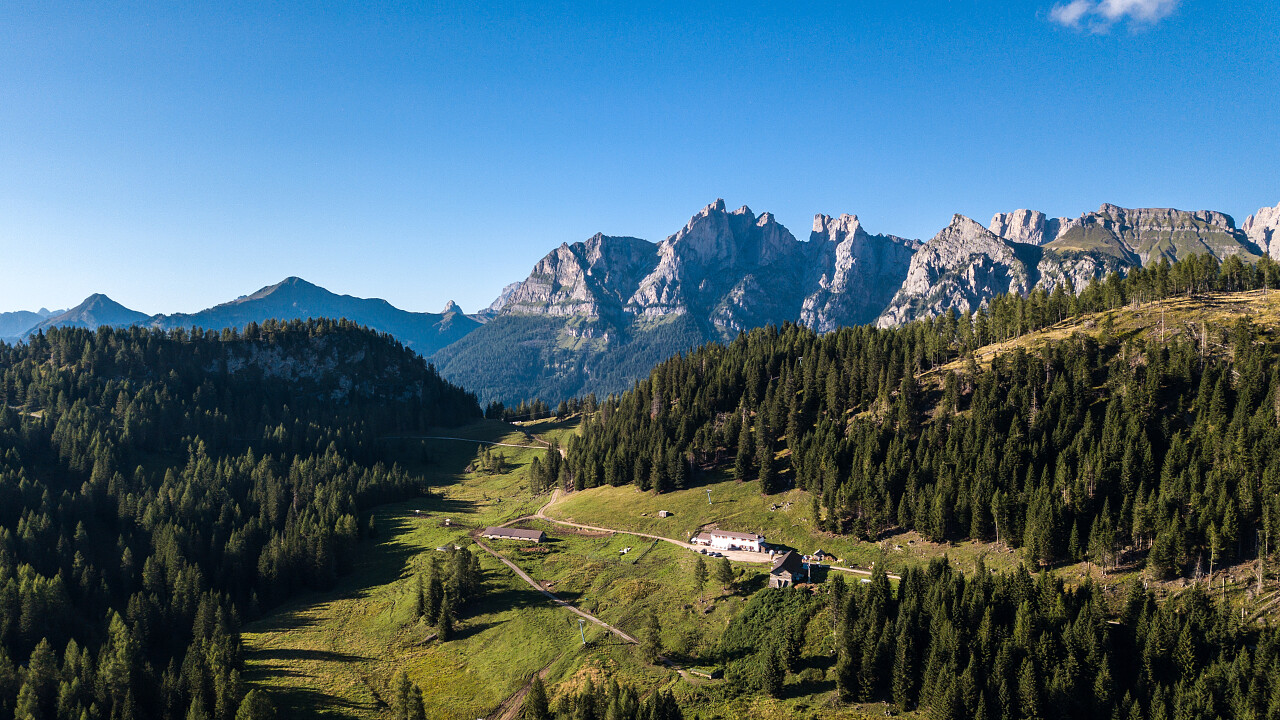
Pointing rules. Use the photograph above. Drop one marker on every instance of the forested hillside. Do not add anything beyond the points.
(157, 488)
(1010, 646)
(1159, 442)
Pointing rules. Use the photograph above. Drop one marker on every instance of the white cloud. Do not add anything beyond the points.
(1071, 13)
(1100, 15)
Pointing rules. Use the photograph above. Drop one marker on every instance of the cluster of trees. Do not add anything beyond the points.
(1078, 449)
(599, 702)
(524, 410)
(538, 409)
(158, 488)
(492, 462)
(1013, 646)
(544, 473)
(440, 600)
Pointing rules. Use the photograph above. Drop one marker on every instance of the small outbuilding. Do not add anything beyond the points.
(787, 570)
(664, 513)
(517, 534)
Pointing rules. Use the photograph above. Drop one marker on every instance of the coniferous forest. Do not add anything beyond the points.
(157, 489)
(1012, 646)
(1094, 445)
(1108, 446)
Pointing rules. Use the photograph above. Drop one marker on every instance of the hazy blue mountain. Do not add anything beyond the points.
(96, 310)
(13, 325)
(297, 299)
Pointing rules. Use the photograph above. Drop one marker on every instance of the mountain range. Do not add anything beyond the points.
(592, 314)
(290, 299)
(595, 315)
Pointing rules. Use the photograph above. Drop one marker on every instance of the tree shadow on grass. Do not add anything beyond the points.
(472, 628)
(300, 654)
(807, 687)
(298, 702)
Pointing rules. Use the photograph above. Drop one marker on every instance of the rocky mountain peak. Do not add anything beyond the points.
(1027, 226)
(855, 273)
(829, 229)
(959, 269)
(451, 307)
(1263, 229)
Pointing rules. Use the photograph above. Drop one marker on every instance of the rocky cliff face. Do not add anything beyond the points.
(585, 279)
(1263, 229)
(728, 270)
(593, 315)
(858, 272)
(960, 268)
(733, 268)
(965, 265)
(1142, 235)
(1027, 226)
(496, 306)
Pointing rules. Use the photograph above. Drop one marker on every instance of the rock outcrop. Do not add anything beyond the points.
(1263, 229)
(584, 279)
(859, 272)
(496, 306)
(1027, 226)
(728, 270)
(591, 310)
(734, 269)
(960, 268)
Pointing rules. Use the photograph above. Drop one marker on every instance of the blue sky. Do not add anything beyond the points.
(175, 158)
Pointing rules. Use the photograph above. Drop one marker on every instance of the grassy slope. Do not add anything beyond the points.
(1180, 317)
(333, 654)
(740, 506)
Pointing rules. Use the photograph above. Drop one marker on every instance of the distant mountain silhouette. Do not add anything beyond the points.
(95, 311)
(295, 298)
(290, 299)
(14, 324)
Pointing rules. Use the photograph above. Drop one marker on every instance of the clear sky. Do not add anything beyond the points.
(174, 158)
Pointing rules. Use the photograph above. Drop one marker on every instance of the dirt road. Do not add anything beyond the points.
(572, 608)
(734, 555)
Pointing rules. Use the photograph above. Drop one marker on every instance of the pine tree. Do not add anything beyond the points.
(536, 706)
(256, 705)
(904, 670)
(724, 573)
(742, 463)
(444, 626)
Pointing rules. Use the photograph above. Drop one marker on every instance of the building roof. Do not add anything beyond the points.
(788, 562)
(513, 533)
(737, 535)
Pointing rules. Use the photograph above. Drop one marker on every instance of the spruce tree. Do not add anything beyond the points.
(536, 706)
